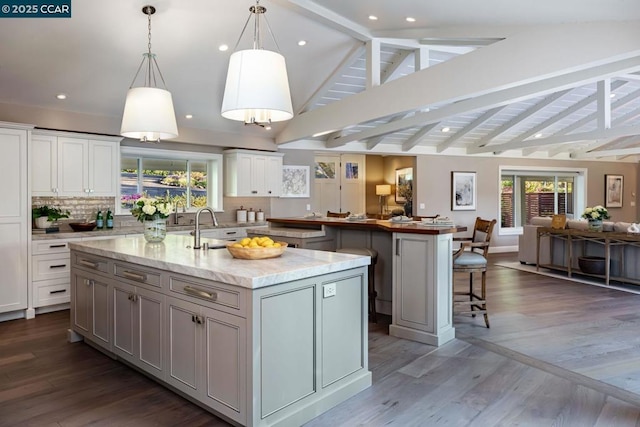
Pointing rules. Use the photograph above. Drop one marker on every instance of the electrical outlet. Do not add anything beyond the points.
(329, 290)
(308, 207)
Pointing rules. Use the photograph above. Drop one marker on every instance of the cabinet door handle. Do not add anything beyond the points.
(135, 276)
(86, 263)
(254, 192)
(88, 282)
(133, 297)
(58, 266)
(57, 246)
(213, 296)
(59, 291)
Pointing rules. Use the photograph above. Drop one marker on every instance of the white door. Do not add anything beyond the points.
(14, 214)
(326, 191)
(339, 183)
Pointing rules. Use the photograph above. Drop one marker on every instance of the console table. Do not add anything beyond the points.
(608, 239)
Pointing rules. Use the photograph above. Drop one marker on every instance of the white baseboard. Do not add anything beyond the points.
(502, 249)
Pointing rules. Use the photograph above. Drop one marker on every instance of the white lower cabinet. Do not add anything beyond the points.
(206, 355)
(137, 326)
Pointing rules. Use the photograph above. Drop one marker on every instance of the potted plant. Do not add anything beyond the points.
(44, 216)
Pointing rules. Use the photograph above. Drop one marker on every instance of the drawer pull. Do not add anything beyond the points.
(213, 296)
(59, 291)
(58, 266)
(88, 263)
(135, 276)
(230, 233)
(58, 246)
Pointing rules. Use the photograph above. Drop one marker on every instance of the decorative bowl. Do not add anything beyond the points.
(82, 226)
(256, 253)
(591, 264)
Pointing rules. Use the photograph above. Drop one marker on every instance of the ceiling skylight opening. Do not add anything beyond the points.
(410, 19)
(373, 18)
(302, 42)
(61, 96)
(223, 48)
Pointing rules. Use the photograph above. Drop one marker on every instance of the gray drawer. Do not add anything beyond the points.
(138, 274)
(219, 295)
(89, 262)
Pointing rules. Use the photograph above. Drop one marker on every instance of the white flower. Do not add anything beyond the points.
(149, 209)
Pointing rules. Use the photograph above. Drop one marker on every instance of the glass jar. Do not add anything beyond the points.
(155, 230)
(595, 225)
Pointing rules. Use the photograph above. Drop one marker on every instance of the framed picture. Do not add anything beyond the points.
(404, 184)
(613, 187)
(463, 191)
(295, 181)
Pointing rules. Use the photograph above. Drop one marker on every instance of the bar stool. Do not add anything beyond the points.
(372, 288)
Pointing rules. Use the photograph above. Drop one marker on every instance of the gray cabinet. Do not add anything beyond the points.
(422, 288)
(137, 326)
(90, 308)
(206, 355)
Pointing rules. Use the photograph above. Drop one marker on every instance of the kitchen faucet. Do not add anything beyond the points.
(196, 232)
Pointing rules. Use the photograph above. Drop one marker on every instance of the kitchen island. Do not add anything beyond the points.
(258, 342)
(413, 274)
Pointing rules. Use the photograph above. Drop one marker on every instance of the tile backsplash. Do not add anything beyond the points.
(82, 208)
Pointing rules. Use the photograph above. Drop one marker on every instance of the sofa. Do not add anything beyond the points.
(625, 258)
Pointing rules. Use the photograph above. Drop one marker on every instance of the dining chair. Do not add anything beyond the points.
(471, 258)
(337, 214)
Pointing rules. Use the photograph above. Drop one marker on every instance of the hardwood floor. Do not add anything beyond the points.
(557, 354)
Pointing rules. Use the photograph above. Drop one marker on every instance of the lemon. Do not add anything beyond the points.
(237, 245)
(245, 241)
(277, 245)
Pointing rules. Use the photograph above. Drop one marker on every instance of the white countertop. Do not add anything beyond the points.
(299, 233)
(218, 264)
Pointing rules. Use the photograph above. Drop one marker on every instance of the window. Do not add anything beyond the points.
(525, 193)
(192, 180)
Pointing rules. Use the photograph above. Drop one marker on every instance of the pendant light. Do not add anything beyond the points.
(148, 110)
(257, 86)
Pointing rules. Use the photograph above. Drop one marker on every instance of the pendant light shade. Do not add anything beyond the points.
(257, 86)
(149, 115)
(148, 110)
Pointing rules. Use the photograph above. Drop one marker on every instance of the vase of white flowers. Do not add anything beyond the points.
(595, 216)
(153, 213)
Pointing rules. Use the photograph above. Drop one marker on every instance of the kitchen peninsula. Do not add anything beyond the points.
(259, 342)
(413, 272)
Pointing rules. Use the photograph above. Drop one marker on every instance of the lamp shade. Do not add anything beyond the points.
(257, 87)
(383, 190)
(149, 115)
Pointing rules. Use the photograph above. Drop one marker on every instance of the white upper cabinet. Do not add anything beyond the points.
(252, 173)
(71, 166)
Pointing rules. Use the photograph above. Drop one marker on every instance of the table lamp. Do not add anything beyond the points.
(382, 191)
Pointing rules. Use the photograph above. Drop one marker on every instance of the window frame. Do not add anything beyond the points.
(580, 188)
(214, 169)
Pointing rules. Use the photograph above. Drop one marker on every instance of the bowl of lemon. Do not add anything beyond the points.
(261, 247)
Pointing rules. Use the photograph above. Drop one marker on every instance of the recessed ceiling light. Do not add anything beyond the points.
(538, 135)
(223, 48)
(373, 17)
(446, 129)
(410, 19)
(267, 127)
(302, 42)
(61, 96)
(188, 116)
(613, 95)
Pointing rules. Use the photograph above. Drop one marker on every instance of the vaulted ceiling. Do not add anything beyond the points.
(550, 79)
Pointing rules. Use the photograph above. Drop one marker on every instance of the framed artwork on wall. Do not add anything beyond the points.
(295, 181)
(463, 191)
(613, 187)
(404, 184)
